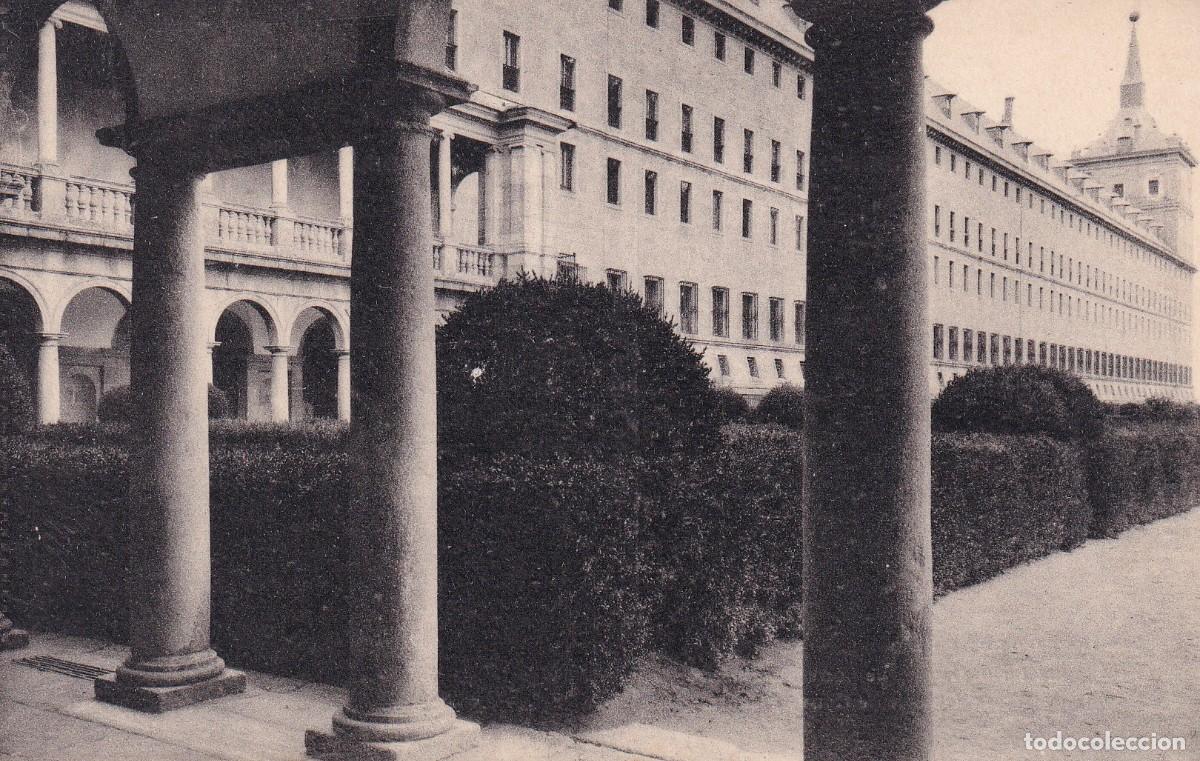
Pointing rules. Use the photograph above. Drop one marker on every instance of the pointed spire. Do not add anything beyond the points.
(1133, 89)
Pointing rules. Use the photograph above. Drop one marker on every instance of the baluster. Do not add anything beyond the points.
(72, 199)
(93, 204)
(241, 227)
(105, 203)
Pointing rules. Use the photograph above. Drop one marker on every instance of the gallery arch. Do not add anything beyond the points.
(94, 351)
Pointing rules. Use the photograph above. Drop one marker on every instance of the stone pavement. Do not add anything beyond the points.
(1103, 638)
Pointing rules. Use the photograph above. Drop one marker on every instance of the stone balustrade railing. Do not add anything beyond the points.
(103, 204)
(317, 238)
(244, 226)
(16, 190)
(468, 264)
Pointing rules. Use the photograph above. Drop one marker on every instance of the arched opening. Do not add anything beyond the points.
(241, 364)
(95, 347)
(20, 322)
(317, 364)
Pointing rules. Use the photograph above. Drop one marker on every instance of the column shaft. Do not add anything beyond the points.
(343, 386)
(49, 401)
(279, 183)
(445, 187)
(394, 695)
(279, 383)
(868, 590)
(346, 198)
(169, 524)
(47, 92)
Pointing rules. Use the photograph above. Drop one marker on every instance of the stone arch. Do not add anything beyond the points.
(265, 333)
(94, 349)
(243, 329)
(41, 310)
(312, 311)
(318, 338)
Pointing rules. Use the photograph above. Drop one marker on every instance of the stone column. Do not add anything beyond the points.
(867, 568)
(212, 345)
(445, 186)
(394, 628)
(346, 198)
(171, 663)
(284, 224)
(343, 385)
(49, 401)
(52, 186)
(280, 356)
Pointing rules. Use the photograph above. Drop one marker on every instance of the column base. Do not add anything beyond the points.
(14, 639)
(109, 689)
(331, 746)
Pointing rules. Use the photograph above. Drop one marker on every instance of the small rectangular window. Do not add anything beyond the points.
(614, 101)
(652, 13)
(799, 232)
(567, 166)
(615, 5)
(717, 212)
(651, 192)
(723, 365)
(748, 151)
(774, 215)
(799, 170)
(617, 280)
(654, 293)
(776, 73)
(752, 365)
(511, 73)
(651, 115)
(750, 316)
(685, 202)
(566, 83)
(937, 342)
(718, 46)
(748, 60)
(968, 345)
(685, 129)
(776, 160)
(801, 86)
(614, 181)
(718, 140)
(687, 30)
(747, 216)
(452, 41)
(799, 326)
(779, 373)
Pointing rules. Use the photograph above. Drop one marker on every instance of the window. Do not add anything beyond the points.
(937, 155)
(994, 346)
(776, 160)
(452, 42)
(614, 101)
(651, 115)
(1152, 187)
(968, 345)
(1119, 190)
(799, 233)
(981, 347)
(774, 238)
(747, 214)
(718, 140)
(654, 293)
(717, 212)
(801, 86)
(685, 128)
(688, 308)
(651, 192)
(937, 341)
(799, 326)
(685, 202)
(720, 312)
(750, 316)
(952, 344)
(615, 4)
(776, 317)
(567, 166)
(937, 221)
(799, 170)
(617, 280)
(776, 73)
(723, 365)
(748, 60)
(779, 368)
(752, 364)
(566, 83)
(953, 229)
(687, 30)
(747, 151)
(652, 13)
(718, 46)
(511, 75)
(614, 181)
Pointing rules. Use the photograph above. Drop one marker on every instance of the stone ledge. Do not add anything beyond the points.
(327, 746)
(162, 699)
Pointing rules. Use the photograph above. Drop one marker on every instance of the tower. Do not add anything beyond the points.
(1136, 160)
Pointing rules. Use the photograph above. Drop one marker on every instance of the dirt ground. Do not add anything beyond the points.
(1106, 637)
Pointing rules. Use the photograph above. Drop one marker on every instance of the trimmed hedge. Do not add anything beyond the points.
(116, 405)
(782, 405)
(1144, 473)
(999, 501)
(732, 406)
(16, 398)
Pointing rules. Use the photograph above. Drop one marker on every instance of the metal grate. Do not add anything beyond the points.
(66, 668)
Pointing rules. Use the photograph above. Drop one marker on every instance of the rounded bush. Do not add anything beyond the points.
(16, 399)
(116, 405)
(1020, 399)
(733, 406)
(782, 405)
(547, 368)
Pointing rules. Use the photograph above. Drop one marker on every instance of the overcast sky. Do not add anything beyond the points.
(1063, 61)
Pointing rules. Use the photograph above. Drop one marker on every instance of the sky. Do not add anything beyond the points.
(1063, 61)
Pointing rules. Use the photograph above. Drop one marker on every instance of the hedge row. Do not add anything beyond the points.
(1140, 474)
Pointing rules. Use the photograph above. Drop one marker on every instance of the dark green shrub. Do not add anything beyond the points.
(999, 501)
(546, 368)
(732, 406)
(542, 585)
(1019, 399)
(116, 405)
(729, 545)
(782, 405)
(16, 400)
(1155, 410)
(1143, 473)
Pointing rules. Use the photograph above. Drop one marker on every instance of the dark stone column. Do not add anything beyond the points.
(868, 590)
(394, 699)
(171, 663)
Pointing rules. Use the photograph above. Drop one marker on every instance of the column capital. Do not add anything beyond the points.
(277, 349)
(897, 22)
(339, 353)
(213, 344)
(50, 339)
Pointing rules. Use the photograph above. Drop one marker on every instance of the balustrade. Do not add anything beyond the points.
(16, 190)
(243, 226)
(101, 204)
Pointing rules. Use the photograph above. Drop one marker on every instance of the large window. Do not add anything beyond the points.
(750, 316)
(776, 161)
(747, 217)
(687, 30)
(720, 312)
(718, 140)
(566, 166)
(614, 101)
(654, 293)
(748, 60)
(689, 308)
(614, 181)
(776, 316)
(799, 232)
(685, 128)
(566, 85)
(799, 326)
(618, 280)
(719, 46)
(938, 339)
(511, 74)
(651, 115)
(747, 151)
(952, 344)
